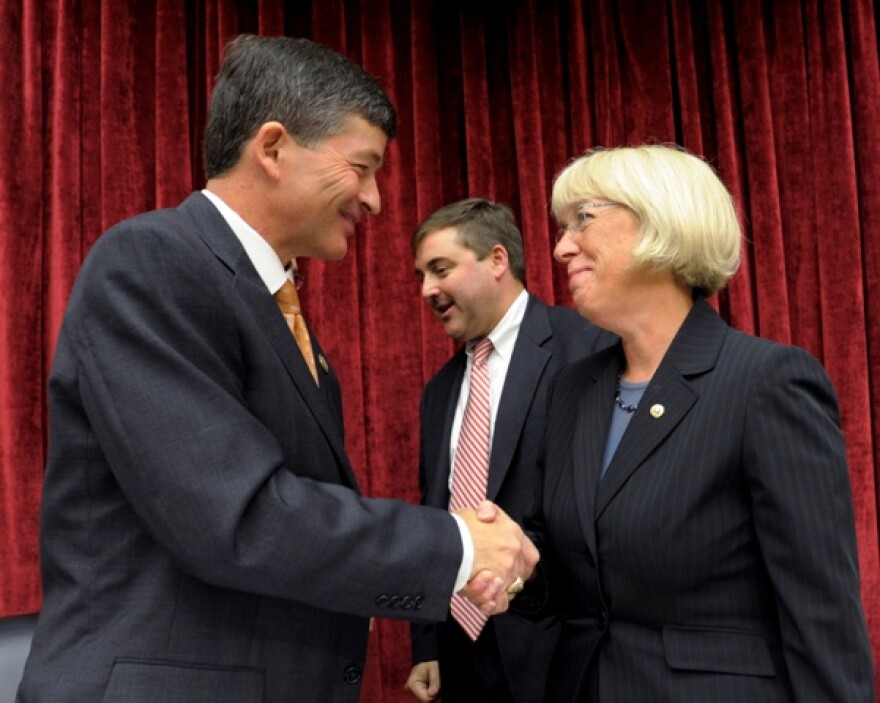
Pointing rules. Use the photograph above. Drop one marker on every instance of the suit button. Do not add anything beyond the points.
(407, 602)
(382, 601)
(602, 620)
(418, 602)
(395, 601)
(352, 674)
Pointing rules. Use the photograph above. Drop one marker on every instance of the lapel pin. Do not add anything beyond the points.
(657, 410)
(324, 364)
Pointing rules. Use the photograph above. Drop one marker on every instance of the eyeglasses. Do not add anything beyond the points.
(583, 217)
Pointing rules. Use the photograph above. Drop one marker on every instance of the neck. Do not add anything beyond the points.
(508, 297)
(647, 341)
(242, 196)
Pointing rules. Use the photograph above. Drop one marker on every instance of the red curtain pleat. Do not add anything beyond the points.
(22, 306)
(478, 124)
(759, 143)
(432, 157)
(103, 107)
(840, 319)
(532, 93)
(173, 167)
(864, 76)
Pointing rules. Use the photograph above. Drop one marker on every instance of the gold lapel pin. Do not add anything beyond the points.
(324, 364)
(657, 411)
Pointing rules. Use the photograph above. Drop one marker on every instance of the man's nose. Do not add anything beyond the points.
(370, 198)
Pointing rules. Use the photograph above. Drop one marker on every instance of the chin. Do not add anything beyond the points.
(335, 253)
(453, 333)
(584, 310)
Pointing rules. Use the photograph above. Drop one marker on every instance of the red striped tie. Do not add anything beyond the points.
(471, 469)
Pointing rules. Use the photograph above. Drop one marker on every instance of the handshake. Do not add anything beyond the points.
(503, 558)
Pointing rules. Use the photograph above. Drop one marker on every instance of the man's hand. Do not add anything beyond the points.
(424, 681)
(501, 554)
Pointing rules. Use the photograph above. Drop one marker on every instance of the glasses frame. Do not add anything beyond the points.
(568, 229)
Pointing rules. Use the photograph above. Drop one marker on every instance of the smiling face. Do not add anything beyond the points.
(596, 247)
(469, 296)
(323, 191)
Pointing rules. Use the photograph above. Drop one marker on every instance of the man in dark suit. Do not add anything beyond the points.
(202, 534)
(469, 256)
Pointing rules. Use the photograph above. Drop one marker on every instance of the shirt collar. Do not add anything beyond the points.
(503, 337)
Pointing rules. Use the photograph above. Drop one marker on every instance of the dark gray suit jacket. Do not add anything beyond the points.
(549, 338)
(202, 536)
(717, 559)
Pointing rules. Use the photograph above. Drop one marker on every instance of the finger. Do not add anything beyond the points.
(487, 511)
(528, 560)
(499, 605)
(489, 591)
(417, 687)
(483, 582)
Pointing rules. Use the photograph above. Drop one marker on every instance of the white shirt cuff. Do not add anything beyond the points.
(467, 559)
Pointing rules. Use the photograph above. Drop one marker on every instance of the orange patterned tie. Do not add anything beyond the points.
(288, 300)
(471, 469)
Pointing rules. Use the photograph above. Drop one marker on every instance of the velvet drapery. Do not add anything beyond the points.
(102, 105)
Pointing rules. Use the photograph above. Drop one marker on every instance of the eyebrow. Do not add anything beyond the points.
(432, 264)
(371, 155)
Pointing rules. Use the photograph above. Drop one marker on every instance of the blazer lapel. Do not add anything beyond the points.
(592, 418)
(442, 418)
(215, 232)
(667, 390)
(667, 400)
(527, 364)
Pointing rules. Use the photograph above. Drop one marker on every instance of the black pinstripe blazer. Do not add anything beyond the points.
(717, 559)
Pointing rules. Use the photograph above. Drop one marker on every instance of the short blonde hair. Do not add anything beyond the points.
(688, 219)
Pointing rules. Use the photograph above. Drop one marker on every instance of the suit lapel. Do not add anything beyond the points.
(667, 400)
(217, 235)
(527, 364)
(592, 418)
(645, 432)
(440, 417)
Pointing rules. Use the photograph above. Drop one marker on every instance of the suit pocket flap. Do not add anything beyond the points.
(173, 682)
(722, 651)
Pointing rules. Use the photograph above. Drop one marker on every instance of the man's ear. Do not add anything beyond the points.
(266, 146)
(500, 260)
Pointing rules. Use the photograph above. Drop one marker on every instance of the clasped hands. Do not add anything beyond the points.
(503, 558)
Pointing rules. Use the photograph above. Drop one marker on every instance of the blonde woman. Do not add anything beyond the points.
(697, 498)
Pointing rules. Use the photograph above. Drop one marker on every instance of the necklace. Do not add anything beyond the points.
(620, 404)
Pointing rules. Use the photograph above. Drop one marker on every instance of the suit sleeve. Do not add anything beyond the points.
(796, 463)
(424, 637)
(162, 373)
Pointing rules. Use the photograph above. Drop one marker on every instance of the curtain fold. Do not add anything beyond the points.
(104, 104)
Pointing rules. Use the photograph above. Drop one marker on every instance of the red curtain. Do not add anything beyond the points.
(102, 105)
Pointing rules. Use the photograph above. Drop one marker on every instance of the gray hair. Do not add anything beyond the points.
(307, 87)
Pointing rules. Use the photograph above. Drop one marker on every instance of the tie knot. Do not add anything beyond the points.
(288, 299)
(482, 350)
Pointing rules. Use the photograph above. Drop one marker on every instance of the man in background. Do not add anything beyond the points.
(202, 534)
(469, 257)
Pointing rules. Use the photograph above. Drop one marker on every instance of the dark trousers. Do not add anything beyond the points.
(471, 672)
